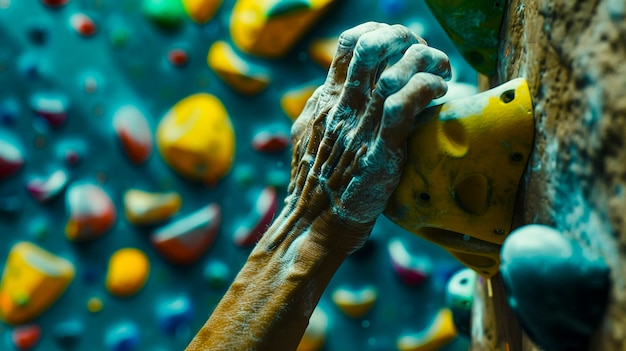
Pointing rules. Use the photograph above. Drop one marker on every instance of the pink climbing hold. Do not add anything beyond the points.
(52, 107)
(178, 57)
(54, 3)
(25, 337)
(186, 240)
(44, 189)
(11, 159)
(265, 208)
(134, 133)
(83, 24)
(91, 210)
(266, 141)
(411, 268)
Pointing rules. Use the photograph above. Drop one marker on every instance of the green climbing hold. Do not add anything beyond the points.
(165, 13)
(474, 27)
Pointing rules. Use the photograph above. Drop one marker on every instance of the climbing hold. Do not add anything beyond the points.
(244, 76)
(244, 174)
(83, 24)
(33, 66)
(392, 7)
(294, 100)
(474, 27)
(144, 208)
(178, 57)
(37, 34)
(460, 297)
(270, 141)
(458, 188)
(123, 336)
(44, 189)
(11, 159)
(439, 333)
(355, 302)
(52, 107)
(128, 271)
(278, 178)
(270, 28)
(38, 228)
(133, 131)
(544, 271)
(201, 11)
(168, 14)
(119, 35)
(172, 314)
(33, 279)
(196, 138)
(248, 233)
(216, 273)
(68, 333)
(25, 337)
(70, 151)
(411, 268)
(91, 210)
(95, 304)
(322, 51)
(90, 82)
(186, 240)
(315, 333)
(9, 111)
(54, 3)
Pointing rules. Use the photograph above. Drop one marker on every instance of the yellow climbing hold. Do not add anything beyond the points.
(322, 51)
(95, 304)
(269, 28)
(355, 302)
(315, 333)
(128, 271)
(143, 208)
(201, 11)
(463, 168)
(196, 138)
(33, 279)
(439, 333)
(245, 77)
(294, 100)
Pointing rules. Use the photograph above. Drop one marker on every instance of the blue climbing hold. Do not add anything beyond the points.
(217, 273)
(68, 333)
(123, 336)
(9, 111)
(174, 313)
(558, 290)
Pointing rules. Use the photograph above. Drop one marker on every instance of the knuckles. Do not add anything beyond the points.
(349, 37)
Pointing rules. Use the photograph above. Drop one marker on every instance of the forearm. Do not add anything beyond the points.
(269, 304)
(349, 145)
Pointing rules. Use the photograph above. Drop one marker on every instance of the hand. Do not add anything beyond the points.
(349, 143)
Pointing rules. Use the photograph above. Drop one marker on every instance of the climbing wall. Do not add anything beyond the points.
(144, 147)
(572, 54)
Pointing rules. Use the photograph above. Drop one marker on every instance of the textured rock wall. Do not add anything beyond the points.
(572, 52)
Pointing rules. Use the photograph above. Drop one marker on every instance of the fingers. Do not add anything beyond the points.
(371, 54)
(358, 121)
(401, 107)
(345, 49)
(417, 58)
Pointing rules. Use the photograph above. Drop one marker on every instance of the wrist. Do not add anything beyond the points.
(322, 227)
